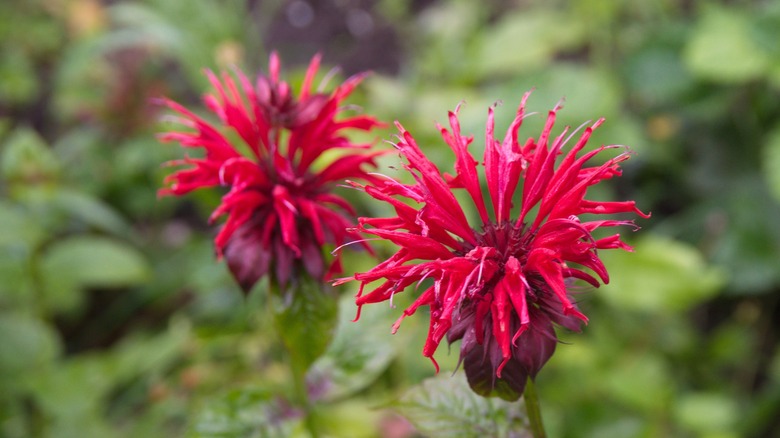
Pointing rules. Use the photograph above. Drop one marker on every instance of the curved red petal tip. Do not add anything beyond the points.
(357, 314)
(571, 311)
(435, 364)
(501, 367)
(520, 331)
(526, 95)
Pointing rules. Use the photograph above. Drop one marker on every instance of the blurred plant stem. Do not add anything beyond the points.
(305, 316)
(531, 401)
(302, 397)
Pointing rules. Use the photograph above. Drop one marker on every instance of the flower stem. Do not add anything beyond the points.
(302, 395)
(532, 408)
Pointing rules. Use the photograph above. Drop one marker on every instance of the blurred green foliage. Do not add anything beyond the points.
(116, 320)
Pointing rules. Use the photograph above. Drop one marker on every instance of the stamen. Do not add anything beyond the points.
(353, 242)
(328, 76)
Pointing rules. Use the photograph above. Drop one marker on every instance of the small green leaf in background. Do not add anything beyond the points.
(18, 83)
(305, 315)
(641, 381)
(27, 345)
(723, 48)
(20, 229)
(523, 42)
(247, 412)
(660, 275)
(359, 353)
(27, 158)
(92, 211)
(75, 263)
(708, 414)
(73, 395)
(772, 162)
(445, 406)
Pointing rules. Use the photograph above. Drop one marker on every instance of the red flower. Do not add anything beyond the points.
(279, 205)
(499, 286)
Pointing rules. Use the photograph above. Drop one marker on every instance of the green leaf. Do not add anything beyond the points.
(445, 406)
(705, 414)
(74, 394)
(28, 158)
(524, 41)
(19, 83)
(640, 380)
(247, 412)
(72, 264)
(354, 418)
(28, 344)
(91, 211)
(305, 314)
(20, 229)
(657, 75)
(747, 246)
(147, 355)
(359, 353)
(660, 275)
(723, 48)
(771, 163)
(71, 396)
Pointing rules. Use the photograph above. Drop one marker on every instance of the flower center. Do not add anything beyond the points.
(506, 238)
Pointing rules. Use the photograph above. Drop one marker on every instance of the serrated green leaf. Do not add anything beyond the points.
(445, 406)
(305, 315)
(772, 162)
(722, 47)
(72, 264)
(359, 353)
(660, 275)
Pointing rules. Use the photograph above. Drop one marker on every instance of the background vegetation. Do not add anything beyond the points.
(116, 320)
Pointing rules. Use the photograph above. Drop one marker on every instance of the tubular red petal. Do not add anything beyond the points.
(465, 164)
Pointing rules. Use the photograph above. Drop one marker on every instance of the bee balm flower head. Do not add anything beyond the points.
(500, 285)
(279, 206)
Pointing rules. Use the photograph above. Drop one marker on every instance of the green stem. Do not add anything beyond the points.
(285, 309)
(302, 394)
(532, 408)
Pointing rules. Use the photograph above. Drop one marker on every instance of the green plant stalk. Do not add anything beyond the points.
(302, 396)
(531, 400)
(288, 302)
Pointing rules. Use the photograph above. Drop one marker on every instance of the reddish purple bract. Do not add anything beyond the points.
(280, 210)
(498, 286)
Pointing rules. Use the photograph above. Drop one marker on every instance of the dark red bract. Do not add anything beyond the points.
(280, 209)
(498, 286)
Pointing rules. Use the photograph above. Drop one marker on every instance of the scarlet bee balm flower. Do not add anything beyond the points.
(280, 210)
(498, 287)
